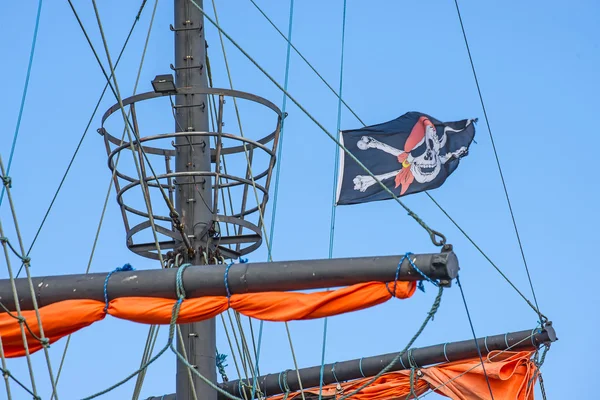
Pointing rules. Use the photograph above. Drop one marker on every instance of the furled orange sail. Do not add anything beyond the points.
(512, 375)
(63, 318)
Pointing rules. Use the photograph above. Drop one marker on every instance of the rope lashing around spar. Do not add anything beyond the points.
(420, 285)
(413, 371)
(220, 358)
(286, 388)
(172, 326)
(126, 267)
(226, 279)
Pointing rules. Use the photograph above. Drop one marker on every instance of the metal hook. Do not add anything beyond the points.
(433, 235)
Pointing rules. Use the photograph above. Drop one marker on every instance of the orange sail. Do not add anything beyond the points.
(512, 375)
(63, 318)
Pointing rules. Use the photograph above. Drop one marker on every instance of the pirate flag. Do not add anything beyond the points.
(410, 154)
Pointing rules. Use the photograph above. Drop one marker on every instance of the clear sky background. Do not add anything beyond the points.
(538, 64)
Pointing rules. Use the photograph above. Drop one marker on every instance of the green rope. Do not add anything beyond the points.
(434, 307)
(539, 361)
(7, 374)
(23, 97)
(24, 259)
(174, 315)
(22, 320)
(413, 379)
(433, 234)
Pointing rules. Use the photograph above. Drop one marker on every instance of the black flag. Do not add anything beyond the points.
(410, 154)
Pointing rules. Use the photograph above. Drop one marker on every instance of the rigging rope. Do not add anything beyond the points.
(434, 307)
(260, 210)
(490, 358)
(5, 371)
(439, 206)
(437, 238)
(18, 307)
(89, 123)
(335, 183)
(281, 131)
(23, 97)
(189, 373)
(148, 350)
(288, 40)
(129, 127)
(487, 379)
(107, 197)
(143, 183)
(487, 121)
(26, 261)
(212, 112)
(180, 291)
(7, 374)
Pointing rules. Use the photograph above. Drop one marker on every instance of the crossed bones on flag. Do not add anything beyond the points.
(422, 168)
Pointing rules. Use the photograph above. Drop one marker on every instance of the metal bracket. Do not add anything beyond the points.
(174, 68)
(173, 29)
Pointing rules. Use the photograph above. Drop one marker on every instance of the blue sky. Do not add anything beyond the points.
(537, 64)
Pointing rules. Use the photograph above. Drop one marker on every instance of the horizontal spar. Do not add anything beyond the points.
(370, 366)
(208, 280)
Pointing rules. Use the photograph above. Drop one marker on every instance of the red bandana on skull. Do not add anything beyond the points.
(405, 177)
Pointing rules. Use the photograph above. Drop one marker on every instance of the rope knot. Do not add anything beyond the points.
(45, 342)
(21, 319)
(226, 279)
(420, 285)
(7, 181)
(126, 267)
(179, 289)
(3, 239)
